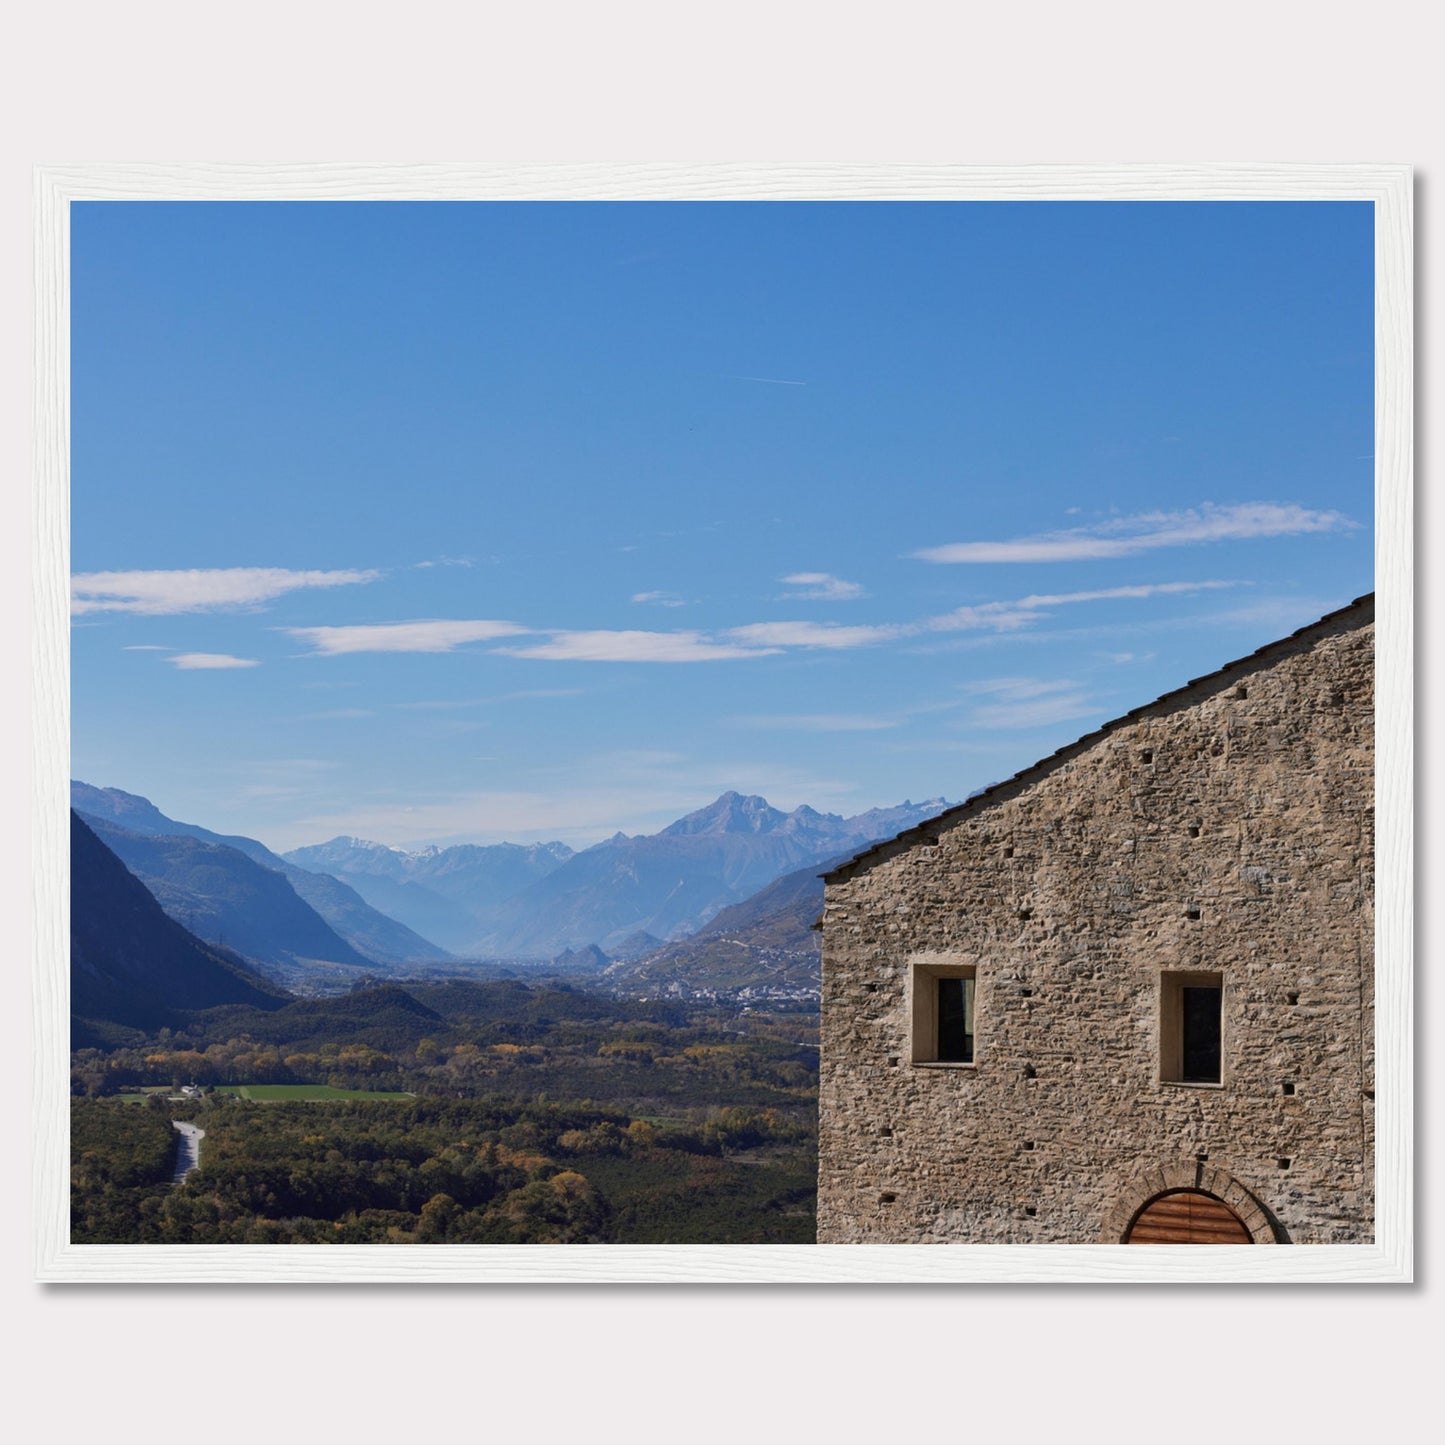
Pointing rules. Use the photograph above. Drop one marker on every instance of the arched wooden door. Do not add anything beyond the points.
(1187, 1216)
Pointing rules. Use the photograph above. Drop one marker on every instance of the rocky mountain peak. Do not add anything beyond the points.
(731, 813)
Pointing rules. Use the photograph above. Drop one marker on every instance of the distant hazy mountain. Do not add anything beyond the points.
(671, 883)
(769, 939)
(368, 931)
(222, 896)
(585, 960)
(131, 965)
(417, 907)
(635, 945)
(445, 893)
(782, 913)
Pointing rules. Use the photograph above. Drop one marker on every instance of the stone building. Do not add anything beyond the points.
(1127, 995)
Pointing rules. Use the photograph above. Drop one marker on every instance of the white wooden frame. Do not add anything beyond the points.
(1389, 1259)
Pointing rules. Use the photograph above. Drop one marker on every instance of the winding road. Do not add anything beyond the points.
(188, 1154)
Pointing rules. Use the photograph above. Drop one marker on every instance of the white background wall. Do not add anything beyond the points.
(778, 81)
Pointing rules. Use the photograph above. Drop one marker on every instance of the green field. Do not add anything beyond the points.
(275, 1093)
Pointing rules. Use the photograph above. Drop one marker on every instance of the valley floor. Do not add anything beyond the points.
(457, 1113)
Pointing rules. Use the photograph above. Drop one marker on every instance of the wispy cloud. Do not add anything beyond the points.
(602, 646)
(1125, 536)
(986, 616)
(1278, 614)
(160, 594)
(1025, 611)
(461, 703)
(822, 722)
(821, 587)
(278, 780)
(520, 816)
(579, 801)
(1030, 702)
(1110, 594)
(1044, 712)
(422, 636)
(446, 562)
(755, 639)
(659, 599)
(442, 704)
(209, 661)
(814, 634)
(1019, 689)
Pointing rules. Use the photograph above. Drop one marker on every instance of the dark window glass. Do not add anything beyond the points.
(955, 1020)
(1200, 1019)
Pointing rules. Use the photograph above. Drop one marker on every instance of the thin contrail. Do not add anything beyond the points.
(771, 380)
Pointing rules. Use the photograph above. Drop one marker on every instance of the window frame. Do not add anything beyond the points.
(1172, 983)
(924, 979)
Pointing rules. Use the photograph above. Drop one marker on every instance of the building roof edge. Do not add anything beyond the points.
(980, 800)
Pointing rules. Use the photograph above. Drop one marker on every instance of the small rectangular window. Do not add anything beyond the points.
(1201, 1037)
(943, 1014)
(955, 1020)
(1191, 1028)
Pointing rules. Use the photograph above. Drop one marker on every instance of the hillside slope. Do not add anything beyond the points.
(369, 930)
(766, 942)
(131, 965)
(222, 896)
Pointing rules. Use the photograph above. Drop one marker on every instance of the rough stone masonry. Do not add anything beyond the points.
(1222, 835)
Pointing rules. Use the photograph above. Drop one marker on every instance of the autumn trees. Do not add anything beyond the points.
(540, 1115)
(488, 1171)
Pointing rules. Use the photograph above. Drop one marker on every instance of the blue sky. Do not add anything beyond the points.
(517, 521)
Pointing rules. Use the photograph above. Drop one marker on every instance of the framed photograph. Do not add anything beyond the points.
(734, 724)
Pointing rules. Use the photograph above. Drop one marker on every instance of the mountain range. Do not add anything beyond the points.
(445, 894)
(729, 881)
(538, 903)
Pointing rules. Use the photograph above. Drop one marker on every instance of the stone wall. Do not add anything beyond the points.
(1226, 828)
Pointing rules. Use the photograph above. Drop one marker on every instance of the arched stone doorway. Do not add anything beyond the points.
(1187, 1216)
(1200, 1180)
